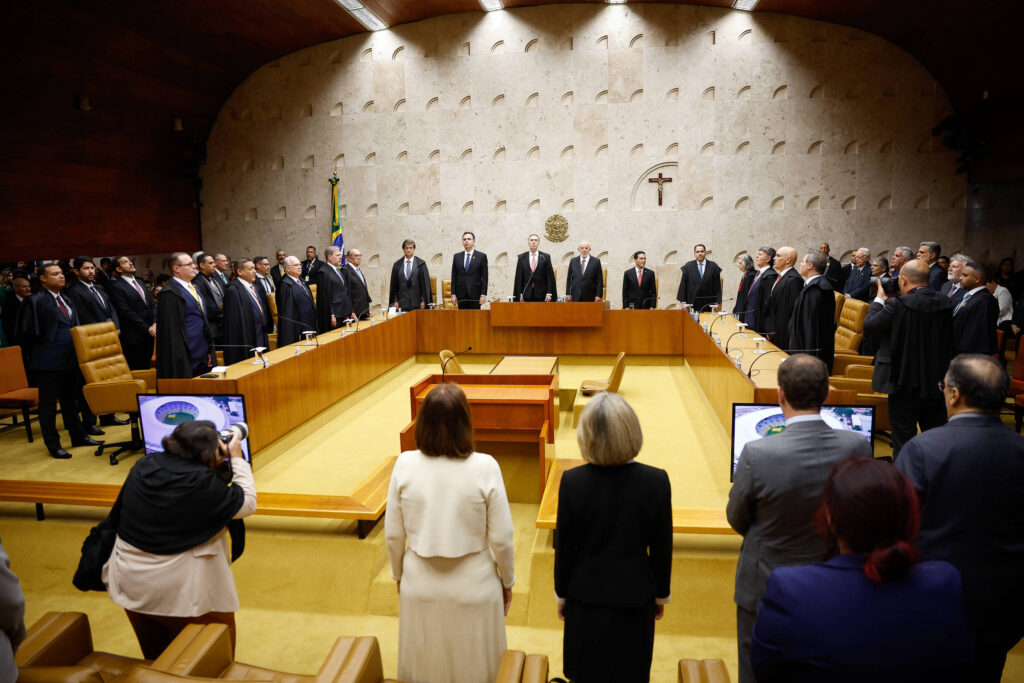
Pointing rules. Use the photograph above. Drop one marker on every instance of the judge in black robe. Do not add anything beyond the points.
(333, 305)
(812, 325)
(782, 297)
(295, 310)
(743, 298)
(412, 292)
(245, 319)
(184, 347)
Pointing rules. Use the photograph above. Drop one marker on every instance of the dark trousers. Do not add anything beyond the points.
(63, 385)
(139, 355)
(470, 305)
(744, 637)
(907, 411)
(155, 632)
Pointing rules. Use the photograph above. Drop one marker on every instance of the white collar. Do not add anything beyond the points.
(812, 279)
(803, 418)
(470, 252)
(763, 268)
(297, 280)
(181, 282)
(785, 271)
(975, 290)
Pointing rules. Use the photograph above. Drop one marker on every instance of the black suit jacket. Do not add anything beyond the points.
(410, 293)
(762, 289)
(536, 285)
(584, 286)
(858, 284)
(936, 276)
(135, 316)
(834, 274)
(974, 324)
(968, 475)
(614, 535)
(642, 294)
(698, 291)
(812, 325)
(212, 291)
(947, 287)
(276, 273)
(310, 268)
(45, 333)
(295, 311)
(781, 301)
(245, 325)
(9, 318)
(357, 292)
(88, 307)
(332, 297)
(469, 285)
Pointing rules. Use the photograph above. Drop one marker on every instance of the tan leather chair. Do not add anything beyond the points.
(59, 649)
(588, 387)
(604, 281)
(202, 652)
(840, 300)
(446, 295)
(312, 289)
(703, 671)
(453, 367)
(851, 326)
(519, 667)
(110, 387)
(272, 336)
(15, 393)
(433, 290)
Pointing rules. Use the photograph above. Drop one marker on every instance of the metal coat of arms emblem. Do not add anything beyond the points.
(556, 228)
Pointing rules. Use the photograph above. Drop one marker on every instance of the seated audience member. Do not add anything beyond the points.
(974, 318)
(874, 612)
(171, 564)
(969, 475)
(613, 561)
(455, 575)
(777, 488)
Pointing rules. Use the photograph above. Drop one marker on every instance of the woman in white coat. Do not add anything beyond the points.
(450, 540)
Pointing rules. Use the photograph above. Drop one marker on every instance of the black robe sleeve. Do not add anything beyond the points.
(173, 360)
(239, 324)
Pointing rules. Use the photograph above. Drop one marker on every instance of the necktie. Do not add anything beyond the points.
(195, 295)
(466, 263)
(583, 266)
(700, 267)
(639, 274)
(962, 302)
(138, 288)
(96, 293)
(408, 269)
(252, 291)
(533, 262)
(360, 274)
(952, 290)
(63, 308)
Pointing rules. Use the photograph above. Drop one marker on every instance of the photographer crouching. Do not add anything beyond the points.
(171, 564)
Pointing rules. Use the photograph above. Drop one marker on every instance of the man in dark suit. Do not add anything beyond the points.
(469, 275)
(701, 284)
(951, 288)
(208, 283)
(756, 314)
(22, 290)
(976, 316)
(535, 277)
(358, 292)
(184, 347)
(833, 269)
(263, 277)
(296, 312)
(782, 297)
(777, 488)
(136, 311)
(929, 253)
(969, 475)
(585, 281)
(222, 269)
(311, 265)
(858, 283)
(333, 305)
(410, 281)
(812, 325)
(277, 272)
(104, 272)
(900, 255)
(915, 332)
(247, 318)
(639, 288)
(44, 327)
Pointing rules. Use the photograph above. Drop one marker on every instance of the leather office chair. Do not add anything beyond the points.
(272, 336)
(851, 326)
(15, 392)
(703, 671)
(519, 667)
(59, 649)
(446, 295)
(110, 387)
(589, 387)
(450, 364)
(433, 290)
(840, 300)
(312, 289)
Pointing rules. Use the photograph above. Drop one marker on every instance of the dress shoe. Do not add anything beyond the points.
(60, 454)
(109, 420)
(85, 441)
(94, 431)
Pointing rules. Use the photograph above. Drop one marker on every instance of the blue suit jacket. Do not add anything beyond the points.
(858, 285)
(830, 622)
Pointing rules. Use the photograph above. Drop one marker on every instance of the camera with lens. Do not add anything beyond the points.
(889, 284)
(225, 435)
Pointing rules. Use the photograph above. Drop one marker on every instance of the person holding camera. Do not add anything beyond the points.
(171, 562)
(915, 332)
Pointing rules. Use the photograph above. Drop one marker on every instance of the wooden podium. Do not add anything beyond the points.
(551, 314)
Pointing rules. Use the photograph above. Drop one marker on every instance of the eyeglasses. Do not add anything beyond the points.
(942, 385)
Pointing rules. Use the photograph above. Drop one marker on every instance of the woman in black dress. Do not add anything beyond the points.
(746, 265)
(613, 560)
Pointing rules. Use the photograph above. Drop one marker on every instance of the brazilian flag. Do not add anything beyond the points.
(337, 239)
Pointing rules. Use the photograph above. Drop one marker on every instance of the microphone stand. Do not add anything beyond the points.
(718, 317)
(444, 366)
(771, 351)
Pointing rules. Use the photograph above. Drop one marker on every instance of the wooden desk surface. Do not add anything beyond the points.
(526, 365)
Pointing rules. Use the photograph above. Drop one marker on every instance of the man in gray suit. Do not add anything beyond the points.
(777, 487)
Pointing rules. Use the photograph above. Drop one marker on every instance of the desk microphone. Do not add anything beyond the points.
(714, 303)
(718, 317)
(444, 366)
(304, 328)
(771, 351)
(650, 298)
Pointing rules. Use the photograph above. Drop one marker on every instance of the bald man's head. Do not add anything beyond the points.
(916, 272)
(785, 257)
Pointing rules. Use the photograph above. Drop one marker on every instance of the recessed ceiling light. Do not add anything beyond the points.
(364, 16)
(491, 5)
(616, 2)
(745, 5)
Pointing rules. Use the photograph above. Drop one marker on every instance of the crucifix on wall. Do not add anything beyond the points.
(661, 182)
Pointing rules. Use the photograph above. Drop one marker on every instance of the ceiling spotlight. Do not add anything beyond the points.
(745, 5)
(491, 5)
(364, 16)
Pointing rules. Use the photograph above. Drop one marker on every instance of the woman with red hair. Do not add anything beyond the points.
(874, 611)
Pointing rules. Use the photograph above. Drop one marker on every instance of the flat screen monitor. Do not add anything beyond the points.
(159, 414)
(752, 421)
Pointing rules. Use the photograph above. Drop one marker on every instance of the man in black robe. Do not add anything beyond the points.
(184, 347)
(296, 312)
(410, 281)
(247, 318)
(782, 297)
(333, 305)
(915, 331)
(358, 291)
(812, 325)
(209, 286)
(756, 313)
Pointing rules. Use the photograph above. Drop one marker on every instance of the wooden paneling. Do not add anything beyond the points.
(546, 314)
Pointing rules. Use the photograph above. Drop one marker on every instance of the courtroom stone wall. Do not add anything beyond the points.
(774, 130)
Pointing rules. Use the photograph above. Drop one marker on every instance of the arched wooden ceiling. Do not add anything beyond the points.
(119, 178)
